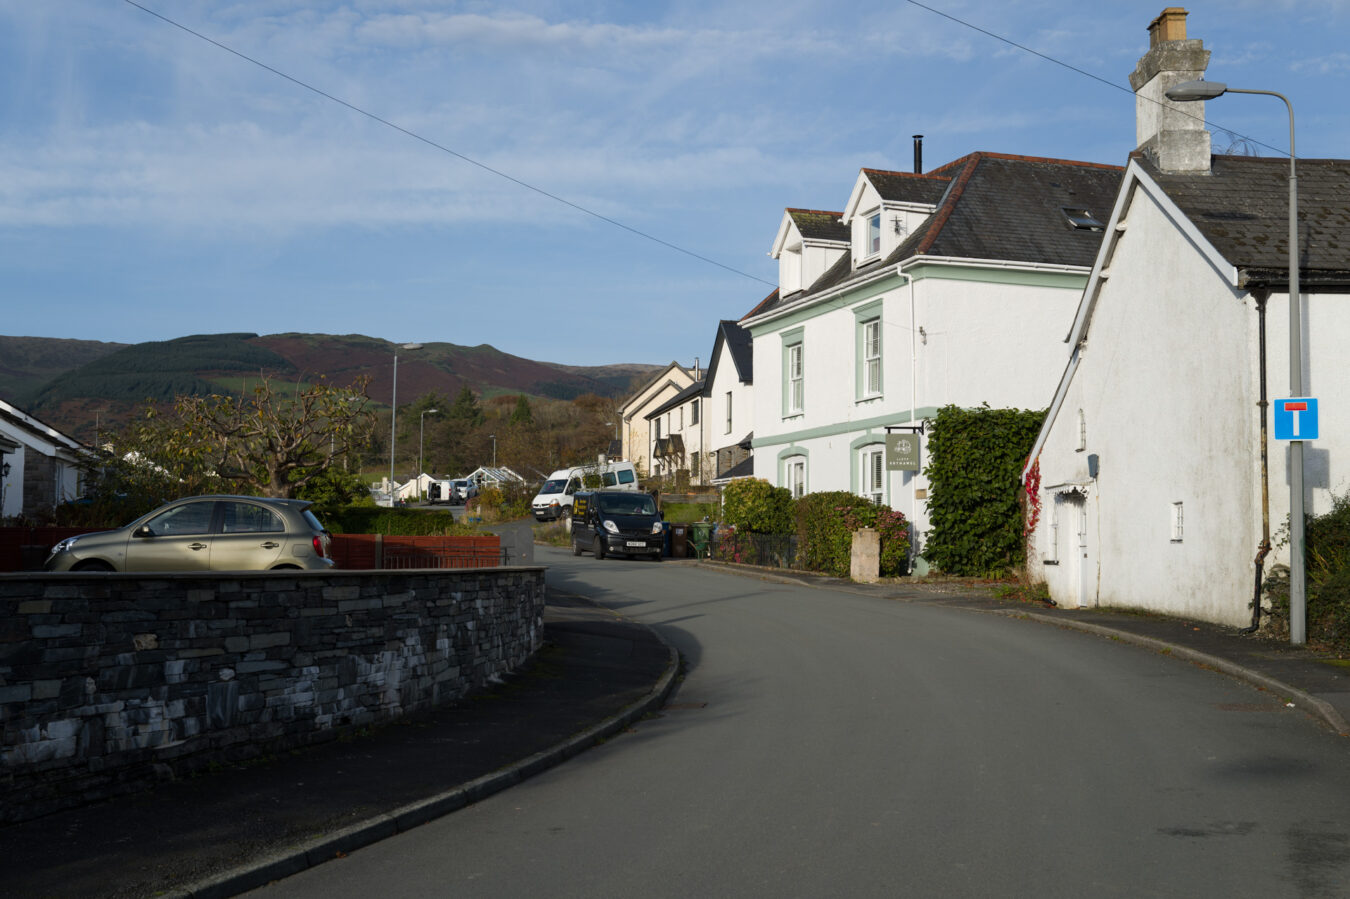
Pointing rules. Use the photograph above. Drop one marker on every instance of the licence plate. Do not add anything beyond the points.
(637, 543)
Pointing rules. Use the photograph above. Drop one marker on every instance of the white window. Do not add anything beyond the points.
(795, 475)
(874, 474)
(871, 339)
(1178, 523)
(874, 234)
(728, 430)
(656, 423)
(693, 413)
(796, 379)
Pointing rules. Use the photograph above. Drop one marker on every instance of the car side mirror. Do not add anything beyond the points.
(143, 531)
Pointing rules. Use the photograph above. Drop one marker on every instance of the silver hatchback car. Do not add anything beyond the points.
(204, 533)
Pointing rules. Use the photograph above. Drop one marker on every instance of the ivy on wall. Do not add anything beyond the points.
(975, 460)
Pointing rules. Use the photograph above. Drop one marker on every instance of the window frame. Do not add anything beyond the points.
(872, 473)
(794, 373)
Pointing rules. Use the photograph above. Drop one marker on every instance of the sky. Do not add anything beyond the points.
(584, 183)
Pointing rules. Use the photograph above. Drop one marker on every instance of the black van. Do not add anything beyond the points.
(618, 522)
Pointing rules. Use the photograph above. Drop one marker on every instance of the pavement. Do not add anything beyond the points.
(231, 830)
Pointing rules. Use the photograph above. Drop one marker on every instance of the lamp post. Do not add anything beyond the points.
(393, 420)
(1298, 609)
(494, 449)
(421, 433)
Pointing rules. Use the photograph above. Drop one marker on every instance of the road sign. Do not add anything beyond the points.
(902, 452)
(1296, 418)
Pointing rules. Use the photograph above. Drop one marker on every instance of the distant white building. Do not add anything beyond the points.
(635, 428)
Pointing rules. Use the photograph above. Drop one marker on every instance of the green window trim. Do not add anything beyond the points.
(794, 339)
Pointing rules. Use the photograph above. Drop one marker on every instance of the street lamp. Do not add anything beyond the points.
(421, 433)
(393, 420)
(494, 449)
(1298, 609)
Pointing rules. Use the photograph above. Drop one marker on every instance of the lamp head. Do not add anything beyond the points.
(1196, 90)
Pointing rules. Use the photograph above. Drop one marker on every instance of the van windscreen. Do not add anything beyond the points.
(556, 485)
(630, 504)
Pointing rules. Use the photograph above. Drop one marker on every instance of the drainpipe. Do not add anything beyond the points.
(1261, 294)
(913, 394)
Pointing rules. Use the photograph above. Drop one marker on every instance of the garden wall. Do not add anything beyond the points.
(109, 682)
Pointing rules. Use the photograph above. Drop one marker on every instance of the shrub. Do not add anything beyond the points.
(756, 506)
(825, 526)
(1327, 561)
(402, 522)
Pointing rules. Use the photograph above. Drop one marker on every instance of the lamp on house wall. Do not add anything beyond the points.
(1298, 608)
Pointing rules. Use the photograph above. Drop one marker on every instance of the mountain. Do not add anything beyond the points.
(27, 363)
(78, 386)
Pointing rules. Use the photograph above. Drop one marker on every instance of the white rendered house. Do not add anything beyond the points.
(950, 287)
(1148, 469)
(39, 465)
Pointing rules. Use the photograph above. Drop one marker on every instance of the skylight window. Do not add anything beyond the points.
(1082, 219)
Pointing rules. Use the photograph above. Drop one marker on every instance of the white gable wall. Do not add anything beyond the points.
(1168, 387)
(726, 381)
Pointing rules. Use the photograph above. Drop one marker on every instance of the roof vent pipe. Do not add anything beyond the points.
(918, 154)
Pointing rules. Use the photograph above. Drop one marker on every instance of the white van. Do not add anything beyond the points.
(554, 499)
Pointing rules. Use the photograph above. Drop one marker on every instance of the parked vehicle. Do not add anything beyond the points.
(462, 490)
(204, 533)
(616, 522)
(554, 499)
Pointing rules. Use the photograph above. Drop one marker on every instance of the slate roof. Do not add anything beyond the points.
(814, 224)
(688, 393)
(907, 187)
(992, 206)
(1242, 208)
(739, 346)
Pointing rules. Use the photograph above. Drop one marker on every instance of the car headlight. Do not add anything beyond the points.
(65, 545)
(611, 526)
(656, 527)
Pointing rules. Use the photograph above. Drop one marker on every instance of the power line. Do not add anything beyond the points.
(444, 149)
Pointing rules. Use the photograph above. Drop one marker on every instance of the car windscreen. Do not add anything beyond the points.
(557, 485)
(634, 504)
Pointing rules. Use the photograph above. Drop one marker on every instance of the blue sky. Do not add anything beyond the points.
(153, 185)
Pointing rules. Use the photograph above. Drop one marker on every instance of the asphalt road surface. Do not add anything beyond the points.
(825, 743)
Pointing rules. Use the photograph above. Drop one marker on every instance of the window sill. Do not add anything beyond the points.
(1049, 561)
(870, 398)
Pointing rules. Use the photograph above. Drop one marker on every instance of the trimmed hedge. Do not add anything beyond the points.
(974, 472)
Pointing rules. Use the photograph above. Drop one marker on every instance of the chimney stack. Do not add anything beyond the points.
(918, 154)
(1172, 135)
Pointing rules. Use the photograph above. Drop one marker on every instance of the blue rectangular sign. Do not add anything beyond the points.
(1296, 418)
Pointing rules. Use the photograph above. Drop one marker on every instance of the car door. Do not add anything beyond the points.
(177, 539)
(251, 537)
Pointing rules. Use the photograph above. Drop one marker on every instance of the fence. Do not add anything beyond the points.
(765, 550)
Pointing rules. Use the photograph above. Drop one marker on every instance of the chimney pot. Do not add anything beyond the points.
(1169, 26)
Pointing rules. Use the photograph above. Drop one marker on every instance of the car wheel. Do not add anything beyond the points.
(599, 547)
(656, 557)
(576, 548)
(93, 565)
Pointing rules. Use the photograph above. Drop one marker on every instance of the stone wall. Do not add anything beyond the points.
(109, 682)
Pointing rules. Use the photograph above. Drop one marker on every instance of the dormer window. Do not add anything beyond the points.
(874, 234)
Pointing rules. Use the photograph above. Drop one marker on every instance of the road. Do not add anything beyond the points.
(825, 743)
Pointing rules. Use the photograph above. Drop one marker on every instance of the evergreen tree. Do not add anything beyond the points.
(522, 414)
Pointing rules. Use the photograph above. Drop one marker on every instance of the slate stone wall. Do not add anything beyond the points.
(109, 682)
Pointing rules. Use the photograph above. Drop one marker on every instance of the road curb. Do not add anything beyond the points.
(1319, 708)
(312, 853)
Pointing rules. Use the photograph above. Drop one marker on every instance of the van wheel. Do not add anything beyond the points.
(599, 547)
